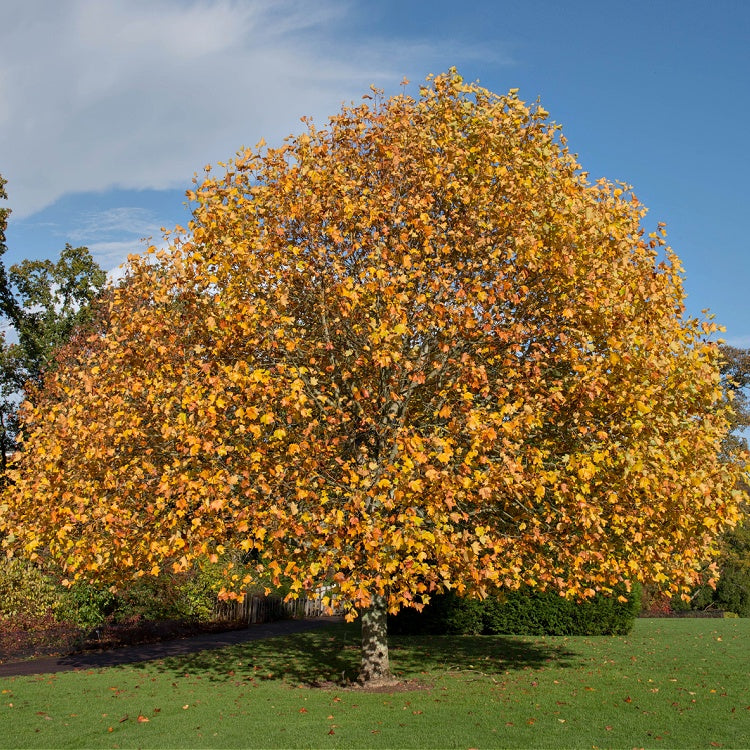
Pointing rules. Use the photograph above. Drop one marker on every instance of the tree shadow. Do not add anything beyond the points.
(482, 653)
(331, 656)
(327, 655)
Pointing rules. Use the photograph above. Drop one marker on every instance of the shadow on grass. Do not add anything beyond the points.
(487, 654)
(332, 656)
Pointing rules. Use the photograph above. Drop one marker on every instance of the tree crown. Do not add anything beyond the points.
(414, 350)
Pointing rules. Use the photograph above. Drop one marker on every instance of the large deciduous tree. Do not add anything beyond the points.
(413, 351)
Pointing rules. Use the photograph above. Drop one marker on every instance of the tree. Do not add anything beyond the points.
(49, 301)
(732, 591)
(44, 302)
(6, 364)
(735, 373)
(412, 352)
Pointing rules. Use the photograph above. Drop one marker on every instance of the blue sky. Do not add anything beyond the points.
(108, 107)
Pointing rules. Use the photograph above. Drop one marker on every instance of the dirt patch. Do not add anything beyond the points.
(398, 686)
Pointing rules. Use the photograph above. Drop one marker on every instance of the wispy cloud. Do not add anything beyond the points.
(94, 225)
(110, 255)
(142, 93)
(112, 234)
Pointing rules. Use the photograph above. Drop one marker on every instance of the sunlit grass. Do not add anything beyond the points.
(671, 683)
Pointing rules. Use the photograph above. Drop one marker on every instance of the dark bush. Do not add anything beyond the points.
(733, 590)
(432, 620)
(523, 612)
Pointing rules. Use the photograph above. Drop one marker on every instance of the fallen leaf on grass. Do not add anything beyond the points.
(143, 719)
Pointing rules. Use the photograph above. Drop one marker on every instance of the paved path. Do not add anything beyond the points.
(151, 651)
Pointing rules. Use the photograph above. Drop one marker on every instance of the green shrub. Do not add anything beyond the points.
(86, 605)
(196, 600)
(523, 612)
(184, 596)
(25, 591)
(28, 595)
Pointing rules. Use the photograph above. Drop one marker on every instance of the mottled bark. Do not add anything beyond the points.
(375, 668)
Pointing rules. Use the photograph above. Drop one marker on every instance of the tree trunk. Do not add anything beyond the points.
(375, 669)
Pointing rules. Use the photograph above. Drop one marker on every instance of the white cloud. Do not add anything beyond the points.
(136, 221)
(96, 94)
(113, 234)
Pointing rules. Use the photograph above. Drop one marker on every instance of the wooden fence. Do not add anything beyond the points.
(257, 608)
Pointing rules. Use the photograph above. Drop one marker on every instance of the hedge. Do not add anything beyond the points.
(522, 612)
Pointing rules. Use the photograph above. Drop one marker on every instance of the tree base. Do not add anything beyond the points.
(375, 683)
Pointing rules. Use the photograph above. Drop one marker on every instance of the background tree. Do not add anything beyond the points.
(735, 373)
(732, 591)
(6, 366)
(43, 302)
(411, 352)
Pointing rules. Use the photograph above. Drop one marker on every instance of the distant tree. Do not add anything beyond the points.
(735, 373)
(412, 352)
(732, 591)
(5, 300)
(50, 300)
(43, 302)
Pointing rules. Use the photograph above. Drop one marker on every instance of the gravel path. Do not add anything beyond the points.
(151, 651)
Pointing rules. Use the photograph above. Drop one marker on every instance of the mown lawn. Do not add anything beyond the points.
(670, 684)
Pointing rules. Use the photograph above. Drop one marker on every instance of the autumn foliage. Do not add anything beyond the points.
(413, 351)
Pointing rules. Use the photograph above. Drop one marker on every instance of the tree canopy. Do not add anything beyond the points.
(414, 350)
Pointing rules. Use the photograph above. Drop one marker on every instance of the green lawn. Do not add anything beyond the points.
(670, 684)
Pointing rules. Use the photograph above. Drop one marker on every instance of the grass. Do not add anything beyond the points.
(670, 683)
